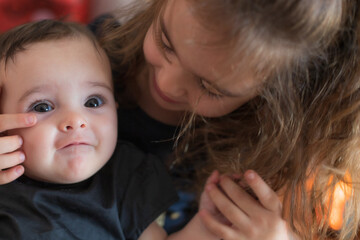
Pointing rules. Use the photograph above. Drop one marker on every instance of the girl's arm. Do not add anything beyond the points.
(10, 155)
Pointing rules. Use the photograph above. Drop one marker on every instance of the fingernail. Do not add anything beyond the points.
(22, 157)
(250, 175)
(20, 141)
(19, 170)
(30, 119)
(209, 187)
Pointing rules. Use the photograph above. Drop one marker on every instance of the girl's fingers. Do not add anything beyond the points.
(11, 174)
(20, 120)
(217, 228)
(240, 197)
(267, 197)
(11, 159)
(205, 201)
(9, 144)
(214, 178)
(231, 212)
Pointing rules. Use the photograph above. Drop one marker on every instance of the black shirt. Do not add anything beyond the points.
(118, 202)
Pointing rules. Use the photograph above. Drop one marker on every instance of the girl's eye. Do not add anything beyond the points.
(94, 102)
(209, 90)
(165, 45)
(41, 107)
(162, 42)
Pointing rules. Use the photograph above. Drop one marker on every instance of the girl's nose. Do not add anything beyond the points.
(71, 122)
(172, 83)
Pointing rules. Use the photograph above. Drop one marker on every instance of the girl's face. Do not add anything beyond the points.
(189, 71)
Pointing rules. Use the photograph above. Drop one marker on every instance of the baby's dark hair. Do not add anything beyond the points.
(16, 39)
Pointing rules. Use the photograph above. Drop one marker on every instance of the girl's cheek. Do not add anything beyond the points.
(151, 50)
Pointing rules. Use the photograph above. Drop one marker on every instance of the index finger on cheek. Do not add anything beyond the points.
(13, 121)
(267, 197)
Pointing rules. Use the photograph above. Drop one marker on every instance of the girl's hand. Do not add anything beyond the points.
(207, 204)
(249, 218)
(10, 155)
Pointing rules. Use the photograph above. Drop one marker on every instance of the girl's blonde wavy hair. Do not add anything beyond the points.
(301, 133)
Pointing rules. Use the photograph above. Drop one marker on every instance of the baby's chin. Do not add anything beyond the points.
(62, 178)
(67, 169)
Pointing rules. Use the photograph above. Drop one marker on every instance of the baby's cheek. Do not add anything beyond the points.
(38, 141)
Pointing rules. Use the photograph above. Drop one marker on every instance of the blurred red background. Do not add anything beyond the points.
(15, 12)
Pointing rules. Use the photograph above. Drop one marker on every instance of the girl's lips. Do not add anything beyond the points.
(159, 92)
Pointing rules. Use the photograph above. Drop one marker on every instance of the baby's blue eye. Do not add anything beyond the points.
(42, 107)
(94, 102)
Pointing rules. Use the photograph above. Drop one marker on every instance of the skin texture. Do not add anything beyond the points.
(73, 138)
(192, 72)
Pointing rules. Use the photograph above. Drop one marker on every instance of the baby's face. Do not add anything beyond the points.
(67, 84)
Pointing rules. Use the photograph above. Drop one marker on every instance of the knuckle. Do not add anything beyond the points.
(226, 210)
(4, 178)
(273, 200)
(281, 224)
(260, 222)
(225, 234)
(252, 233)
(279, 207)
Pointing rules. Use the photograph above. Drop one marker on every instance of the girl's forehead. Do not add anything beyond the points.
(201, 50)
(184, 19)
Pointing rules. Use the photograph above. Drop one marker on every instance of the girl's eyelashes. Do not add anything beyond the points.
(166, 48)
(164, 45)
(41, 106)
(159, 38)
(94, 102)
(207, 90)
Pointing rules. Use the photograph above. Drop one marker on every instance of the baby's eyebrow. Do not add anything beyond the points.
(36, 89)
(100, 84)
